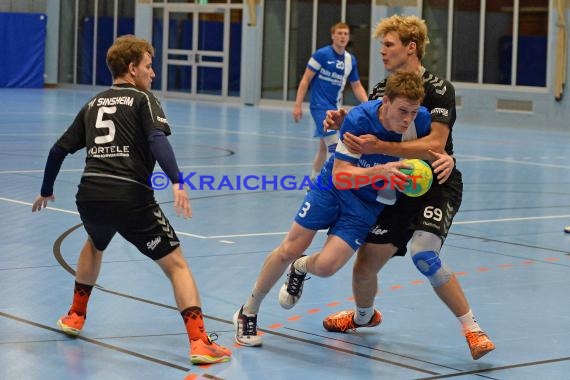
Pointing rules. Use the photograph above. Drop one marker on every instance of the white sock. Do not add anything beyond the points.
(253, 302)
(468, 322)
(363, 315)
(300, 265)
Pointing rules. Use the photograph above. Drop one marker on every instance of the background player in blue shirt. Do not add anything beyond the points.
(348, 210)
(327, 73)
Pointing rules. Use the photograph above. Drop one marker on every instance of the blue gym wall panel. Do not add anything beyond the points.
(104, 41)
(22, 57)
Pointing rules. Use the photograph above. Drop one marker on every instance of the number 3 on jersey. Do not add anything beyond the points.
(100, 123)
(304, 210)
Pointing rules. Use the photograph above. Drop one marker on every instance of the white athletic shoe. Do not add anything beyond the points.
(291, 290)
(246, 329)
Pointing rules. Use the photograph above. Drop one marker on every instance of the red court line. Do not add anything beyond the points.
(414, 282)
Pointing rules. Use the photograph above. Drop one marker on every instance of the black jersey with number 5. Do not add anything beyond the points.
(113, 127)
(439, 99)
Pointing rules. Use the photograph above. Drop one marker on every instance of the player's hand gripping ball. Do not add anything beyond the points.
(420, 178)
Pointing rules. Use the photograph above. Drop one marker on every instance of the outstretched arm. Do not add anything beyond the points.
(162, 151)
(419, 148)
(334, 119)
(53, 165)
(359, 91)
(301, 92)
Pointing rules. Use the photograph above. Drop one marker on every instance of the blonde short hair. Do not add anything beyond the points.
(408, 28)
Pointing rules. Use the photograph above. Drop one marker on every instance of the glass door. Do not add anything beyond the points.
(196, 57)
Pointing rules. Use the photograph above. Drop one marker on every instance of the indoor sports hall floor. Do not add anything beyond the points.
(507, 246)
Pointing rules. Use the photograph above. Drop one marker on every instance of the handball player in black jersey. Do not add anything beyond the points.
(423, 221)
(124, 132)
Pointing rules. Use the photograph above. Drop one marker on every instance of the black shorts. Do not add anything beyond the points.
(144, 225)
(433, 212)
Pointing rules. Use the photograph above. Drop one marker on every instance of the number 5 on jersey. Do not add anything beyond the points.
(100, 123)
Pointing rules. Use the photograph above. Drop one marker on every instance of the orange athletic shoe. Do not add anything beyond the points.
(344, 321)
(479, 343)
(71, 324)
(208, 353)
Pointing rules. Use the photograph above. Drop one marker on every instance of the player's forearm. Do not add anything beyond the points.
(53, 165)
(418, 148)
(360, 92)
(164, 154)
(409, 149)
(301, 92)
(363, 97)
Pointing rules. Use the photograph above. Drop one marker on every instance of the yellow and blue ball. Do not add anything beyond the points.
(420, 178)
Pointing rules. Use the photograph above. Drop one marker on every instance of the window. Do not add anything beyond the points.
(484, 36)
(288, 42)
(86, 32)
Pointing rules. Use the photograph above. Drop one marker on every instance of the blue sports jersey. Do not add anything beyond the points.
(363, 119)
(332, 71)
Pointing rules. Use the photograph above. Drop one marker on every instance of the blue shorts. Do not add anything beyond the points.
(345, 215)
(319, 116)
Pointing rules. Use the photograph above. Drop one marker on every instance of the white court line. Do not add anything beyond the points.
(187, 130)
(464, 222)
(76, 213)
(242, 133)
(513, 219)
(295, 164)
(512, 161)
(247, 235)
(28, 171)
(30, 204)
(481, 221)
(192, 235)
(287, 164)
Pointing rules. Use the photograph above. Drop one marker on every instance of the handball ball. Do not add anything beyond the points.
(421, 178)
